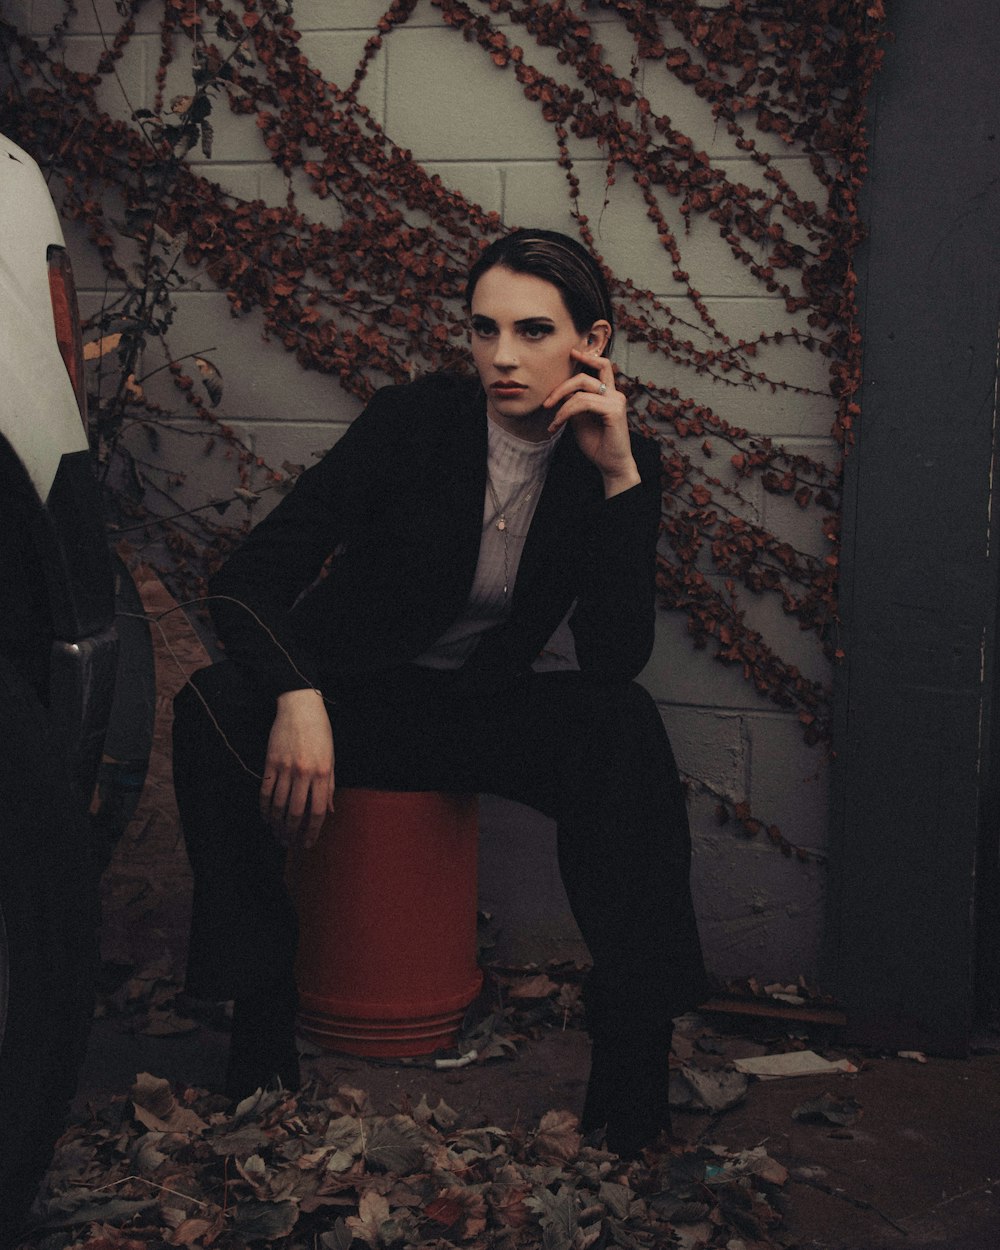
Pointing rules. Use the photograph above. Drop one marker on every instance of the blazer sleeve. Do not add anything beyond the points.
(252, 595)
(614, 617)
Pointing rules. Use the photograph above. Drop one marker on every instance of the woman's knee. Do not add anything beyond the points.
(620, 706)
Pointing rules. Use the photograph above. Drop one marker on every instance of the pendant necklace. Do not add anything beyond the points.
(500, 519)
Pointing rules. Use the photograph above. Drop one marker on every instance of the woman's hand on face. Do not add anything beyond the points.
(597, 411)
(297, 789)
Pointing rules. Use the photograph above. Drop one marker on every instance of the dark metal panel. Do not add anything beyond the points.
(919, 591)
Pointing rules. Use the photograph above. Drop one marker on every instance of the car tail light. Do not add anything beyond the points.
(67, 322)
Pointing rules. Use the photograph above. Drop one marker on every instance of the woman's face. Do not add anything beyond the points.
(522, 335)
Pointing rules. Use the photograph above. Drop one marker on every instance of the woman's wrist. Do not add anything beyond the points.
(299, 697)
(623, 479)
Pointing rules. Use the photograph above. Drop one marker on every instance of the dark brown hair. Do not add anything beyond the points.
(558, 259)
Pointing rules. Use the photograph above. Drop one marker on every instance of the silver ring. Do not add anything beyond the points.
(602, 389)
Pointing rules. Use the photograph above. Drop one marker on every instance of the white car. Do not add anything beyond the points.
(59, 656)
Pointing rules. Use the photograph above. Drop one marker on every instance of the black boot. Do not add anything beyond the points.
(628, 1090)
(262, 1053)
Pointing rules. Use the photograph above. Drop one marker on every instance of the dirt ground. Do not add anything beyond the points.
(918, 1163)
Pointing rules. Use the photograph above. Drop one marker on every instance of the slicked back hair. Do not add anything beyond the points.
(558, 259)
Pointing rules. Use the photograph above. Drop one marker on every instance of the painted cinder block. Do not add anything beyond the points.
(207, 469)
(789, 779)
(437, 82)
(677, 674)
(18, 13)
(480, 182)
(274, 186)
(88, 271)
(625, 234)
(537, 194)
(235, 137)
(710, 746)
(759, 913)
(336, 56)
(803, 527)
(96, 17)
(240, 180)
(297, 442)
(260, 379)
(801, 647)
(125, 89)
(339, 14)
(755, 407)
(627, 237)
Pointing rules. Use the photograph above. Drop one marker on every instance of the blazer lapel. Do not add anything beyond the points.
(557, 524)
(464, 452)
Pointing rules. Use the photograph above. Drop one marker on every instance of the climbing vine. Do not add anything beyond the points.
(377, 297)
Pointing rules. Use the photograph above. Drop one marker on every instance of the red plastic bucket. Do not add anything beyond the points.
(387, 914)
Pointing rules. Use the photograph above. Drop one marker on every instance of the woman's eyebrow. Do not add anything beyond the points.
(540, 320)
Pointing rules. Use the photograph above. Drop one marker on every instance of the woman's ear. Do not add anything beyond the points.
(598, 337)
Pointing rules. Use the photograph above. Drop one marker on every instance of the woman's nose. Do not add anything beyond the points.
(505, 355)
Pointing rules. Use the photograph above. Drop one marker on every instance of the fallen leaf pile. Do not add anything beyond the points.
(800, 993)
(319, 1171)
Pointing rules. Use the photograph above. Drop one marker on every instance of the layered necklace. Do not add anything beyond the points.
(500, 520)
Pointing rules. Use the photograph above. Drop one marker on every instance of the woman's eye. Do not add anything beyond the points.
(536, 332)
(483, 329)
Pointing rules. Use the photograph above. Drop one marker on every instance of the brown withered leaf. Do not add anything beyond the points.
(195, 1231)
(558, 1138)
(539, 986)
(97, 348)
(211, 379)
(264, 1221)
(506, 1198)
(349, 1101)
(155, 1107)
(395, 1144)
(459, 1208)
(373, 1212)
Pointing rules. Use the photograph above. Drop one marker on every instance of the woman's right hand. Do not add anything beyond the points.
(296, 793)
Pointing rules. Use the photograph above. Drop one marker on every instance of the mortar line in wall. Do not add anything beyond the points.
(387, 52)
(725, 709)
(791, 440)
(279, 423)
(746, 738)
(720, 299)
(580, 160)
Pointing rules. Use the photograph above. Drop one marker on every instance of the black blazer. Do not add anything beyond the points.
(398, 501)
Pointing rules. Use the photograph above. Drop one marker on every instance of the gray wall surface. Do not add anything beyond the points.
(468, 121)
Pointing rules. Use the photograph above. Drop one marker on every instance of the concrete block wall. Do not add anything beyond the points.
(469, 122)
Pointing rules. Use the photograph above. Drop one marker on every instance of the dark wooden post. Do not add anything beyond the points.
(914, 733)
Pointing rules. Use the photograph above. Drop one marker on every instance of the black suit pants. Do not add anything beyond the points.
(595, 757)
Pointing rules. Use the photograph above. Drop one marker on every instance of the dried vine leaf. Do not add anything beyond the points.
(211, 379)
(99, 347)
